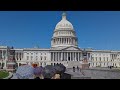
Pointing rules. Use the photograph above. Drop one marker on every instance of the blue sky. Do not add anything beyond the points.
(94, 29)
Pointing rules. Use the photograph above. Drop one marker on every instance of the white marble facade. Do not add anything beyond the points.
(64, 49)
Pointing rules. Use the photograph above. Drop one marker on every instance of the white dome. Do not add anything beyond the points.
(64, 23)
(64, 34)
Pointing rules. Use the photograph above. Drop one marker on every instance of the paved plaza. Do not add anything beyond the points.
(95, 73)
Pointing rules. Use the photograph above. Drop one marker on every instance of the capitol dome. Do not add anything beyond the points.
(64, 34)
(64, 23)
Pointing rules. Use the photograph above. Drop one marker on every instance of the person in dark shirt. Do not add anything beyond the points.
(77, 68)
(49, 72)
(73, 69)
(60, 69)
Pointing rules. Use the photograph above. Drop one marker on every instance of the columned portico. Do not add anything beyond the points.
(65, 56)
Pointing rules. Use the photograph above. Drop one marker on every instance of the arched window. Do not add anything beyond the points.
(100, 58)
(41, 58)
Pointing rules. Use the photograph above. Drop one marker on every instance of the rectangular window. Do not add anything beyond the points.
(96, 58)
(107, 58)
(100, 58)
(41, 58)
(104, 58)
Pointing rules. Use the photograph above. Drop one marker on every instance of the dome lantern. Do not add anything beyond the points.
(64, 16)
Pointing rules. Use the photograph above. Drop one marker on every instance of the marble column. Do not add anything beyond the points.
(53, 56)
(67, 56)
(65, 40)
(75, 56)
(78, 57)
(61, 56)
(59, 40)
(70, 56)
(58, 56)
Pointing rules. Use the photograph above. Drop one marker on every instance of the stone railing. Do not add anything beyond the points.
(10, 75)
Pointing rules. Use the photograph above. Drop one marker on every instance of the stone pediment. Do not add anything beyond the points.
(72, 48)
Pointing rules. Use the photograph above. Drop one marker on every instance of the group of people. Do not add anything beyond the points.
(48, 72)
(78, 69)
(54, 72)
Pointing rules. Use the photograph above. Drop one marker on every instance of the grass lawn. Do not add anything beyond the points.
(3, 74)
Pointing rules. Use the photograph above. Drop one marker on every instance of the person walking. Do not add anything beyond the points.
(73, 69)
(77, 68)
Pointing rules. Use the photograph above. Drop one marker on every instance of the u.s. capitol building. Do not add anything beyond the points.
(64, 49)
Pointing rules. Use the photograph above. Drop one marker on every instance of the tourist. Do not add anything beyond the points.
(110, 67)
(38, 72)
(73, 69)
(60, 69)
(49, 72)
(77, 68)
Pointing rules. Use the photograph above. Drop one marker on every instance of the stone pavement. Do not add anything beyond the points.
(92, 73)
(95, 73)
